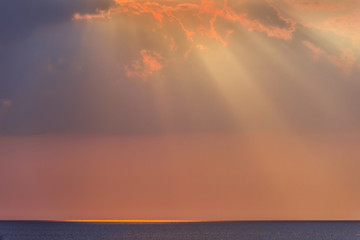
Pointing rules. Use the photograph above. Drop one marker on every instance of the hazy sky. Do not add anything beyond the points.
(183, 109)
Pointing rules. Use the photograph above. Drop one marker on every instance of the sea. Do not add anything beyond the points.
(35, 230)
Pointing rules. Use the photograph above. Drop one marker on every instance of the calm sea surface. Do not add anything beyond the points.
(181, 231)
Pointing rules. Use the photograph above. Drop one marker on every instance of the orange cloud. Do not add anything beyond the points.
(345, 61)
(173, 46)
(324, 4)
(193, 18)
(317, 52)
(196, 19)
(341, 18)
(146, 66)
(341, 24)
(346, 26)
(101, 14)
(201, 47)
(199, 20)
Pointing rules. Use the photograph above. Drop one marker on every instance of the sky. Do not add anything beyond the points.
(179, 110)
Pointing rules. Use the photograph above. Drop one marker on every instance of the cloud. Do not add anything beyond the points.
(6, 103)
(202, 47)
(18, 18)
(100, 14)
(339, 18)
(317, 52)
(323, 4)
(146, 66)
(346, 26)
(345, 60)
(200, 19)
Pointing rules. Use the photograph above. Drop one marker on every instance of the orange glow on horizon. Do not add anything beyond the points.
(133, 221)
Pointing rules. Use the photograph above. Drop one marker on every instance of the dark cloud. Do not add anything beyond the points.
(18, 18)
(266, 14)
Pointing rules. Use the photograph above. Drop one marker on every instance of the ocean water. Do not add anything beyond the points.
(180, 231)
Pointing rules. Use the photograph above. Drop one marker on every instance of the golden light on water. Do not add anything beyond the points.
(131, 221)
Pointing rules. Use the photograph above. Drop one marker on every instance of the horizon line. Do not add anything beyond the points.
(133, 220)
(175, 221)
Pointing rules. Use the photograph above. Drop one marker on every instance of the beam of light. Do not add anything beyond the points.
(198, 22)
(198, 19)
(246, 101)
(333, 28)
(200, 31)
(146, 44)
(323, 100)
(244, 97)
